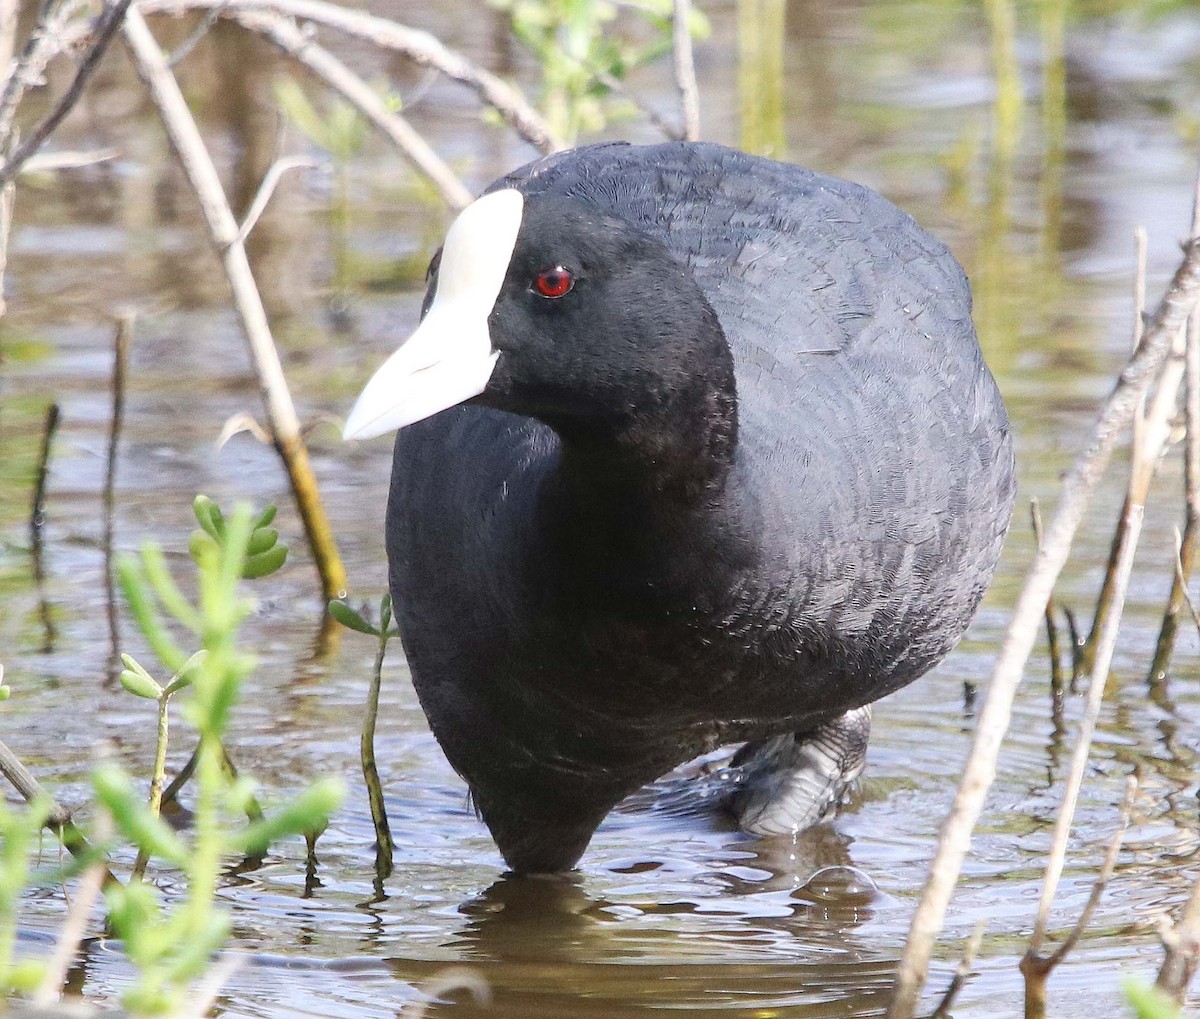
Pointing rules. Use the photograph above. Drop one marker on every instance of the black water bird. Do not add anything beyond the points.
(696, 448)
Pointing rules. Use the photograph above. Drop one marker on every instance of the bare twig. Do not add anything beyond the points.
(183, 50)
(70, 935)
(1181, 940)
(1150, 434)
(267, 189)
(121, 341)
(1036, 968)
(385, 847)
(1181, 580)
(284, 34)
(685, 70)
(43, 42)
(204, 995)
(1056, 671)
(1106, 873)
(7, 197)
(980, 768)
(110, 21)
(37, 522)
(618, 87)
(58, 819)
(1167, 393)
(8, 32)
(962, 973)
(420, 47)
(223, 231)
(1186, 555)
(452, 978)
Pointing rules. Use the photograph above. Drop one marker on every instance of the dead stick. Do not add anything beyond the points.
(1087, 653)
(685, 70)
(962, 973)
(980, 768)
(121, 342)
(1186, 554)
(369, 102)
(1037, 968)
(1150, 434)
(1182, 943)
(110, 21)
(1056, 671)
(58, 819)
(37, 522)
(35, 54)
(223, 231)
(420, 47)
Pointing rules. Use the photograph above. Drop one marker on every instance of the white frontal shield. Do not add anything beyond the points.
(449, 358)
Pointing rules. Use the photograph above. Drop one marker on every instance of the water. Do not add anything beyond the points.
(672, 908)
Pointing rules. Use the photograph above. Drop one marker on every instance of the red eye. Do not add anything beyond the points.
(553, 282)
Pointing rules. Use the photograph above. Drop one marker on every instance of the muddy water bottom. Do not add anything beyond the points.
(671, 909)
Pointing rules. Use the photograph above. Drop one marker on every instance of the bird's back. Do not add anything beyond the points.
(871, 434)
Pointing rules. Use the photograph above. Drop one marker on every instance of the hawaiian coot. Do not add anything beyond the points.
(724, 464)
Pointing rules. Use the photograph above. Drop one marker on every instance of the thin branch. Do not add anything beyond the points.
(1150, 435)
(1036, 968)
(184, 49)
(43, 42)
(223, 232)
(267, 189)
(685, 70)
(1187, 553)
(962, 973)
(284, 34)
(110, 21)
(70, 936)
(420, 47)
(37, 523)
(618, 87)
(1181, 939)
(1181, 580)
(1056, 671)
(980, 768)
(8, 33)
(58, 819)
(121, 341)
(1106, 872)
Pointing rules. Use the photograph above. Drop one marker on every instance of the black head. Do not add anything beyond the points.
(547, 307)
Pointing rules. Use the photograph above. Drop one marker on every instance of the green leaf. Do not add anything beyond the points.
(265, 563)
(133, 819)
(155, 566)
(141, 605)
(261, 540)
(209, 516)
(1148, 1001)
(350, 619)
(185, 675)
(202, 546)
(385, 613)
(307, 812)
(140, 684)
(265, 517)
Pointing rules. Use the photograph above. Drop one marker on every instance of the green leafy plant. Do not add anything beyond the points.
(172, 948)
(1148, 1001)
(580, 56)
(356, 619)
(19, 833)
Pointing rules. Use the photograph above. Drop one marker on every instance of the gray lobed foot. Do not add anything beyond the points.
(790, 782)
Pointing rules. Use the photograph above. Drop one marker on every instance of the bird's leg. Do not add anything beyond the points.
(790, 782)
